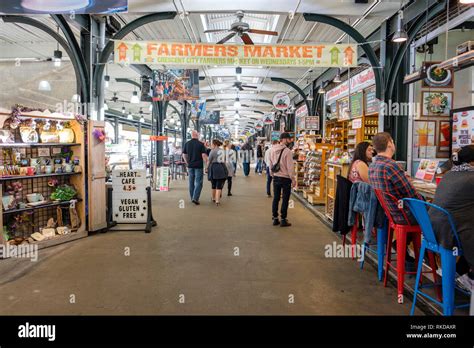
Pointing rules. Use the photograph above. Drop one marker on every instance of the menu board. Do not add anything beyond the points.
(342, 109)
(427, 170)
(312, 122)
(463, 127)
(371, 102)
(357, 101)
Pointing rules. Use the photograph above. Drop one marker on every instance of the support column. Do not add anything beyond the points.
(139, 141)
(116, 131)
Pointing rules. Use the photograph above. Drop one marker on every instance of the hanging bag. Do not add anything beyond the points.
(276, 166)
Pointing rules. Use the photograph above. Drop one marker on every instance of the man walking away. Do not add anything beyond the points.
(194, 154)
(267, 161)
(282, 169)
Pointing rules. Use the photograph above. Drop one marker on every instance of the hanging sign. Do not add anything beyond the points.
(358, 82)
(281, 101)
(357, 123)
(158, 137)
(130, 202)
(268, 119)
(174, 53)
(259, 125)
(300, 115)
(312, 122)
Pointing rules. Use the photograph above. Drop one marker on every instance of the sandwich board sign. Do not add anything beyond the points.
(130, 200)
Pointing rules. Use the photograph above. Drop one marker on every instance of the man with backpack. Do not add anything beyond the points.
(282, 169)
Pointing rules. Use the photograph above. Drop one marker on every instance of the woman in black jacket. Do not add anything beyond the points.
(217, 170)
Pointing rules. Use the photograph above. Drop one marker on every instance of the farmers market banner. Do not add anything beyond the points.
(317, 55)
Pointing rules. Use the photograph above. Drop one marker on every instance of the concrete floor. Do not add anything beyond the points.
(191, 253)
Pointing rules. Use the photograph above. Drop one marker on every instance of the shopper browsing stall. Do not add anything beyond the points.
(282, 169)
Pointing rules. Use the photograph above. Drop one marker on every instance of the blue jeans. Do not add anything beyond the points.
(195, 182)
(269, 182)
(259, 166)
(246, 167)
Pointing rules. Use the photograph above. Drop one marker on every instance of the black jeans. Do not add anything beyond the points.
(281, 185)
(269, 182)
(229, 184)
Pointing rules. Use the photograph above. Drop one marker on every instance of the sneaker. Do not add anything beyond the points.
(196, 202)
(284, 223)
(276, 222)
(269, 196)
(465, 283)
(229, 194)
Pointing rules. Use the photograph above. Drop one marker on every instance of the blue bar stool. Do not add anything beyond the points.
(379, 250)
(448, 257)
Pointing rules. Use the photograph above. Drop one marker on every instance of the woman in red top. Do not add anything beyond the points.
(359, 169)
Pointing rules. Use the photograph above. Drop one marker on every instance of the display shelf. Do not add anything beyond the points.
(37, 217)
(24, 177)
(332, 170)
(42, 206)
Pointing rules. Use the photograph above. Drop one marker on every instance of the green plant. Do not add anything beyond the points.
(63, 193)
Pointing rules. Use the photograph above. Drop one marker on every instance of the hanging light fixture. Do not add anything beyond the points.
(236, 122)
(237, 103)
(106, 81)
(129, 116)
(400, 35)
(142, 119)
(337, 78)
(238, 73)
(106, 107)
(134, 99)
(171, 121)
(57, 55)
(123, 109)
(321, 90)
(44, 85)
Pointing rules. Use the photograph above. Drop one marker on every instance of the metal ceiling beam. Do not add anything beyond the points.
(354, 34)
(109, 48)
(124, 80)
(80, 73)
(75, 49)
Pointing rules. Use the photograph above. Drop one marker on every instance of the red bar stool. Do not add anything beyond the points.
(401, 231)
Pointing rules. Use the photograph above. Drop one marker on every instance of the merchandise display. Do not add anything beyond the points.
(42, 179)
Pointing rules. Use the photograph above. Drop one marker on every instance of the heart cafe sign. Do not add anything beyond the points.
(175, 53)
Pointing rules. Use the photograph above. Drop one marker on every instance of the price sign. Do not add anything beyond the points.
(129, 196)
(164, 179)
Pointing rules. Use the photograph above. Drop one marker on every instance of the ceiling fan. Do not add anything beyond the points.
(240, 86)
(241, 29)
(115, 99)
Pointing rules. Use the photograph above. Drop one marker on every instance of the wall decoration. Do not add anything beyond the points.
(463, 127)
(198, 109)
(371, 103)
(175, 84)
(444, 139)
(436, 103)
(437, 77)
(424, 138)
(357, 105)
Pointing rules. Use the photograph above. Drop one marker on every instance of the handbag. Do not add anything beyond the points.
(276, 166)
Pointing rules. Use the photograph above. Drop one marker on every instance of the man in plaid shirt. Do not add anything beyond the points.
(386, 175)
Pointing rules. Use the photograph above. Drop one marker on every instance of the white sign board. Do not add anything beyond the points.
(163, 182)
(281, 101)
(129, 202)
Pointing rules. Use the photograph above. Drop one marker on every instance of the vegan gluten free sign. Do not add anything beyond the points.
(316, 55)
(129, 201)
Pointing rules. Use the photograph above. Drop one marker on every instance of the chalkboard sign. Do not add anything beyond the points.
(357, 101)
(343, 108)
(371, 102)
(312, 122)
(130, 202)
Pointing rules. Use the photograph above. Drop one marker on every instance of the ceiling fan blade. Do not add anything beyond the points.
(246, 39)
(216, 30)
(247, 86)
(239, 87)
(245, 105)
(263, 32)
(228, 37)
